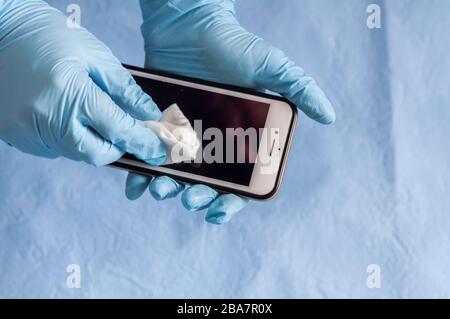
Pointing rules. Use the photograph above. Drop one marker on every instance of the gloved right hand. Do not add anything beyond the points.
(63, 93)
(203, 39)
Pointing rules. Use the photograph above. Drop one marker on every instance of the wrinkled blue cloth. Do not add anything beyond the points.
(372, 189)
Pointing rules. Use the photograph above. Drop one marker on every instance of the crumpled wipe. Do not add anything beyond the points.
(175, 130)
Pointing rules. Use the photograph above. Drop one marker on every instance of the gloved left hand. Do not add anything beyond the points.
(203, 39)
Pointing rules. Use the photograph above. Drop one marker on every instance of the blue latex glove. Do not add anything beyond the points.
(63, 93)
(203, 39)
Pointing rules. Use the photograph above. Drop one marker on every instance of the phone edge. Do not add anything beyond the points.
(222, 189)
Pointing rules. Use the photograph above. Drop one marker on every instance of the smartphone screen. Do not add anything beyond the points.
(213, 110)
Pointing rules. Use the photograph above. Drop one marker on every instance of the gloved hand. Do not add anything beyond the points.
(63, 93)
(203, 39)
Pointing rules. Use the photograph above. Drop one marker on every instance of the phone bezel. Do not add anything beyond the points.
(136, 168)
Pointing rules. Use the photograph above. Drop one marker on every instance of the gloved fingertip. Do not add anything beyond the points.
(136, 186)
(157, 161)
(150, 111)
(164, 187)
(132, 194)
(316, 105)
(156, 154)
(222, 210)
(328, 114)
(198, 197)
(218, 219)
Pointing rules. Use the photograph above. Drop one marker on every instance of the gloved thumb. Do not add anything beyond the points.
(276, 72)
(99, 112)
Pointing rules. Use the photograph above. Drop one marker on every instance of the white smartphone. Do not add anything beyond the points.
(249, 157)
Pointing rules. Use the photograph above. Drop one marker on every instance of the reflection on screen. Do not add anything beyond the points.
(214, 110)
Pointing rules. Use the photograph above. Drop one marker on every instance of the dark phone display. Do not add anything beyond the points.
(215, 111)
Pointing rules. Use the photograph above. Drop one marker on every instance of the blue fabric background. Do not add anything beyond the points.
(372, 189)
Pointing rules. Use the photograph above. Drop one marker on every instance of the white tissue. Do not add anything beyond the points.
(175, 130)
